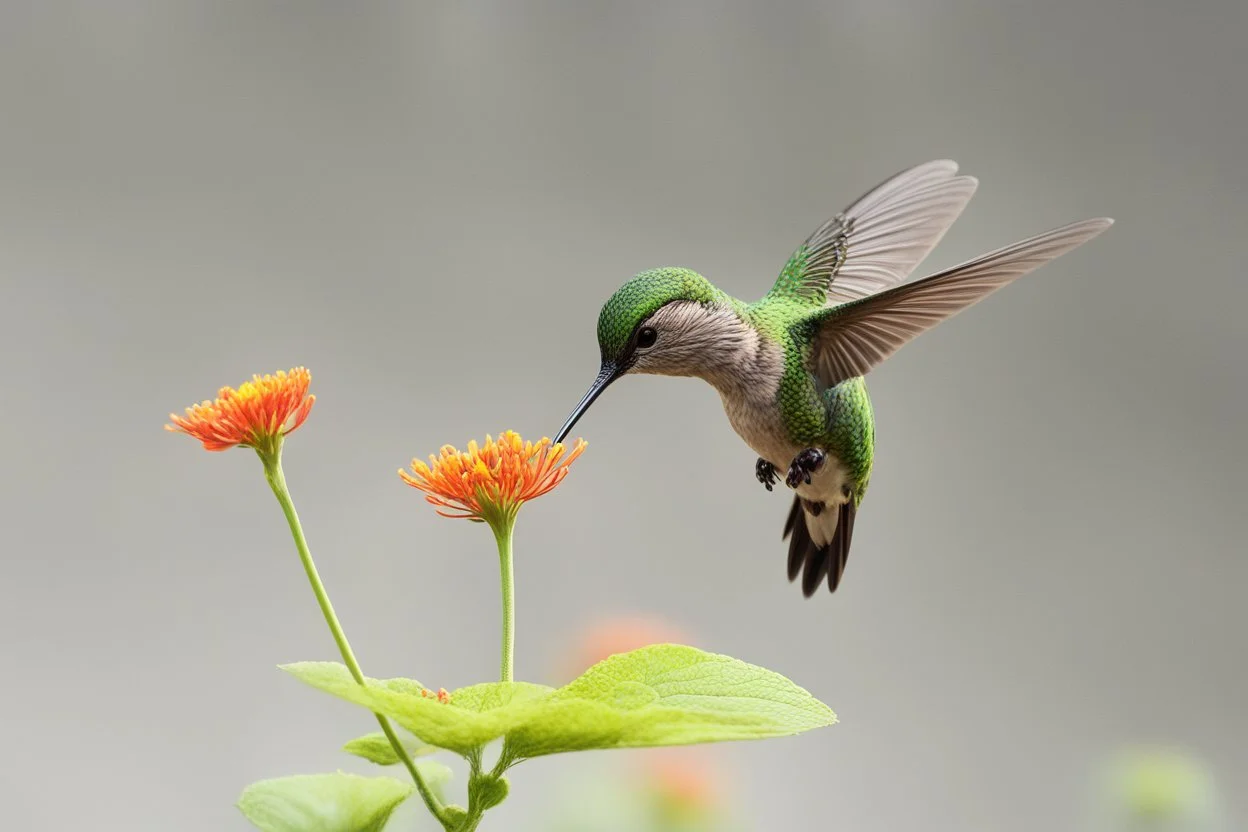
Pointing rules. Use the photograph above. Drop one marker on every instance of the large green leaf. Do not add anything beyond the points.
(668, 694)
(323, 803)
(660, 695)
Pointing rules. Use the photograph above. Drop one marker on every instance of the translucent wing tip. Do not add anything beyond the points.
(938, 164)
(1085, 229)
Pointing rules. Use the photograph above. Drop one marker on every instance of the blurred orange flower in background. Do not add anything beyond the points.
(497, 477)
(256, 415)
(619, 634)
(683, 782)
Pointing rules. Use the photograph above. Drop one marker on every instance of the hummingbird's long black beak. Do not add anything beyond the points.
(609, 372)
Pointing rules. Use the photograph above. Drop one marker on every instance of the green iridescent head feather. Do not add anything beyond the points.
(641, 297)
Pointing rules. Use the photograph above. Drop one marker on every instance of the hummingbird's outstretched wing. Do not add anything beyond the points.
(878, 240)
(852, 339)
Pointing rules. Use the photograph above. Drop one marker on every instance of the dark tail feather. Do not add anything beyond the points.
(840, 543)
(796, 525)
(814, 562)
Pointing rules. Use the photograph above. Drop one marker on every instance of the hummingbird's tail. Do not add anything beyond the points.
(819, 535)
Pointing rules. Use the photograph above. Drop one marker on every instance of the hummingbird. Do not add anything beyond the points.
(790, 367)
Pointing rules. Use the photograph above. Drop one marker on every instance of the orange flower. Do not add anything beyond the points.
(683, 784)
(491, 480)
(618, 634)
(256, 415)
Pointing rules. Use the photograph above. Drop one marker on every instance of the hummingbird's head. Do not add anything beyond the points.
(662, 321)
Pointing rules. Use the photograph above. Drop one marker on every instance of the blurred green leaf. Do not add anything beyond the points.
(435, 774)
(377, 749)
(323, 803)
(659, 695)
(1161, 788)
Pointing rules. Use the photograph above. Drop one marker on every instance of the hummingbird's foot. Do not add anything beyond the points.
(807, 462)
(766, 473)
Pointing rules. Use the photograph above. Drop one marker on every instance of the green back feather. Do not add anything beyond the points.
(811, 269)
(839, 418)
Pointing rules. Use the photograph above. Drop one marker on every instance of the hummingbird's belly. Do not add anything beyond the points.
(762, 429)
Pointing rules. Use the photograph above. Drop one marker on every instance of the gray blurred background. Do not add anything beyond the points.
(427, 205)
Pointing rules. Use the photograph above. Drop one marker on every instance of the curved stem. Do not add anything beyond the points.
(502, 534)
(277, 481)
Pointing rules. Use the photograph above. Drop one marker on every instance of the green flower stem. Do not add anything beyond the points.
(475, 811)
(277, 481)
(503, 528)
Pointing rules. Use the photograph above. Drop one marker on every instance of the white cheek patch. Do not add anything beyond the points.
(694, 339)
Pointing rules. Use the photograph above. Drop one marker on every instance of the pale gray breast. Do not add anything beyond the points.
(754, 414)
(746, 369)
(752, 408)
(761, 428)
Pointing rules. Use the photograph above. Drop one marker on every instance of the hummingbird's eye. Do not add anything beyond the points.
(646, 336)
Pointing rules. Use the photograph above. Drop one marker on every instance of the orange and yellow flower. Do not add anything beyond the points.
(494, 478)
(256, 415)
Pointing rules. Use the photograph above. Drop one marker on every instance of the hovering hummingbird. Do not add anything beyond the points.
(790, 367)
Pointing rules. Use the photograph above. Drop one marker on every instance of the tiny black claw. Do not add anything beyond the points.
(807, 462)
(766, 473)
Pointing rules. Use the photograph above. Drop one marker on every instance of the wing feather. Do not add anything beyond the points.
(854, 338)
(878, 240)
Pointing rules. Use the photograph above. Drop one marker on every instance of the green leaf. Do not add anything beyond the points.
(668, 694)
(323, 803)
(659, 695)
(474, 716)
(377, 749)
